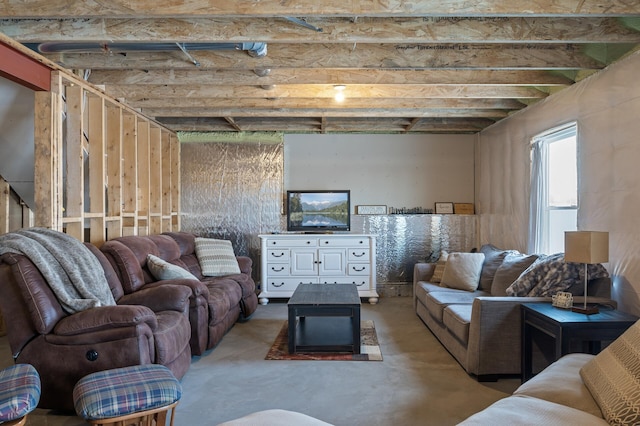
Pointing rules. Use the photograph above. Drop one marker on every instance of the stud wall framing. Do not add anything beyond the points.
(102, 169)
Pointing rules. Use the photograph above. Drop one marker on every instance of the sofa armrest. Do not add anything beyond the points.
(245, 263)
(166, 297)
(423, 272)
(495, 334)
(199, 290)
(105, 318)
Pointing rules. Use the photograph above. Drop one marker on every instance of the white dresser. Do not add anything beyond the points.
(291, 259)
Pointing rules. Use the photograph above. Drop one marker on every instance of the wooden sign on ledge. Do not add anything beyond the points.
(463, 208)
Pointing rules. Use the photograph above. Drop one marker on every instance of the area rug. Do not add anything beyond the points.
(369, 349)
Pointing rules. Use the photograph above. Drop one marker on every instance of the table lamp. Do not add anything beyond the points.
(586, 247)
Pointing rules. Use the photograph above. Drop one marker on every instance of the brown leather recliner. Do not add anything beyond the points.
(216, 303)
(149, 326)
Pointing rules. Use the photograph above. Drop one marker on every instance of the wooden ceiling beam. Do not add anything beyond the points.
(328, 76)
(407, 91)
(477, 103)
(334, 30)
(313, 112)
(308, 8)
(430, 125)
(233, 124)
(375, 56)
(412, 124)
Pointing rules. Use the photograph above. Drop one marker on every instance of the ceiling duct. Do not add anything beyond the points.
(256, 50)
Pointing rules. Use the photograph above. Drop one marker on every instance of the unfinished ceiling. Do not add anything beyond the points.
(435, 66)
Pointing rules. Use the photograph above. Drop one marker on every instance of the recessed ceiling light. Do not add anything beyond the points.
(339, 97)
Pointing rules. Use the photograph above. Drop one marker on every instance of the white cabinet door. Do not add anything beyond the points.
(304, 262)
(331, 262)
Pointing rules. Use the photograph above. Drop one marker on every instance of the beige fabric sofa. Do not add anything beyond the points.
(578, 389)
(482, 328)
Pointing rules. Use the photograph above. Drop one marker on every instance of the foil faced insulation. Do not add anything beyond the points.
(404, 240)
(232, 191)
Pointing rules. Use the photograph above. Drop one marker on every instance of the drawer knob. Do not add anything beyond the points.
(358, 255)
(277, 285)
(277, 254)
(274, 269)
(359, 269)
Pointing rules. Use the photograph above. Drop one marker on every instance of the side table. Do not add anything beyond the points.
(565, 327)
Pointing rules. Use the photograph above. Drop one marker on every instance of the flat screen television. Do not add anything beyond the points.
(318, 211)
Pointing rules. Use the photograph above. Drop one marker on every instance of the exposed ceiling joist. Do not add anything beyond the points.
(434, 66)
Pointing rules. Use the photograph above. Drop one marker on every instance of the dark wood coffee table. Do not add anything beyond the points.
(324, 318)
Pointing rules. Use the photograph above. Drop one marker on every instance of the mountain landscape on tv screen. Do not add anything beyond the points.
(318, 206)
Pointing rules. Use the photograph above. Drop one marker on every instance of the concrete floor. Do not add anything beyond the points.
(417, 383)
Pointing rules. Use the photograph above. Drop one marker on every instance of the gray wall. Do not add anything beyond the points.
(392, 170)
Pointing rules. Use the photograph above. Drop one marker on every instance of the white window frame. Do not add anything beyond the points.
(540, 212)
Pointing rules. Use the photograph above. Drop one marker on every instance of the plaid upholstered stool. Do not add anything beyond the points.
(139, 395)
(19, 393)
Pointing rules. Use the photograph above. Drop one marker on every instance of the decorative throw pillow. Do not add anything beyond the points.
(613, 378)
(493, 258)
(163, 270)
(551, 274)
(216, 257)
(439, 269)
(512, 266)
(463, 271)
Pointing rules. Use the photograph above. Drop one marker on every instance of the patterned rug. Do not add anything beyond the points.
(369, 350)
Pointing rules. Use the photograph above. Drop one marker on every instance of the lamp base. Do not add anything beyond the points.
(589, 310)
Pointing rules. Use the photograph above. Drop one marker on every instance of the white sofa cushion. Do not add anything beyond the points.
(561, 383)
(275, 417)
(613, 378)
(527, 411)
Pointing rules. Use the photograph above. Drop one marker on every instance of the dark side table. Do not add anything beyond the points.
(567, 327)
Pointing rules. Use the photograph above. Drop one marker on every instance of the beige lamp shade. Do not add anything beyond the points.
(586, 246)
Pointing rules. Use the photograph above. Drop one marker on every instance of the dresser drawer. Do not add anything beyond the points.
(279, 269)
(303, 242)
(359, 269)
(287, 284)
(360, 282)
(344, 242)
(358, 254)
(279, 255)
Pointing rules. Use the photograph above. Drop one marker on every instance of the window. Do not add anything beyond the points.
(554, 189)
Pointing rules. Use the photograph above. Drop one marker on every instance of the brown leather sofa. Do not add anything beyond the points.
(216, 303)
(147, 326)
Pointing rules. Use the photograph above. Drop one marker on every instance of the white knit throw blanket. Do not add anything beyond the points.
(71, 270)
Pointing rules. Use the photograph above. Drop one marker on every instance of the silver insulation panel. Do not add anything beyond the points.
(235, 191)
(403, 240)
(232, 191)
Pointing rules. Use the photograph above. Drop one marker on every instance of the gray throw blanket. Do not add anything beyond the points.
(71, 270)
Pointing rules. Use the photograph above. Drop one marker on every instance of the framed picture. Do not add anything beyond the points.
(463, 208)
(444, 208)
(371, 209)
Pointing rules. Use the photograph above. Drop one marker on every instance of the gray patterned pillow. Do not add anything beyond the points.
(216, 257)
(613, 378)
